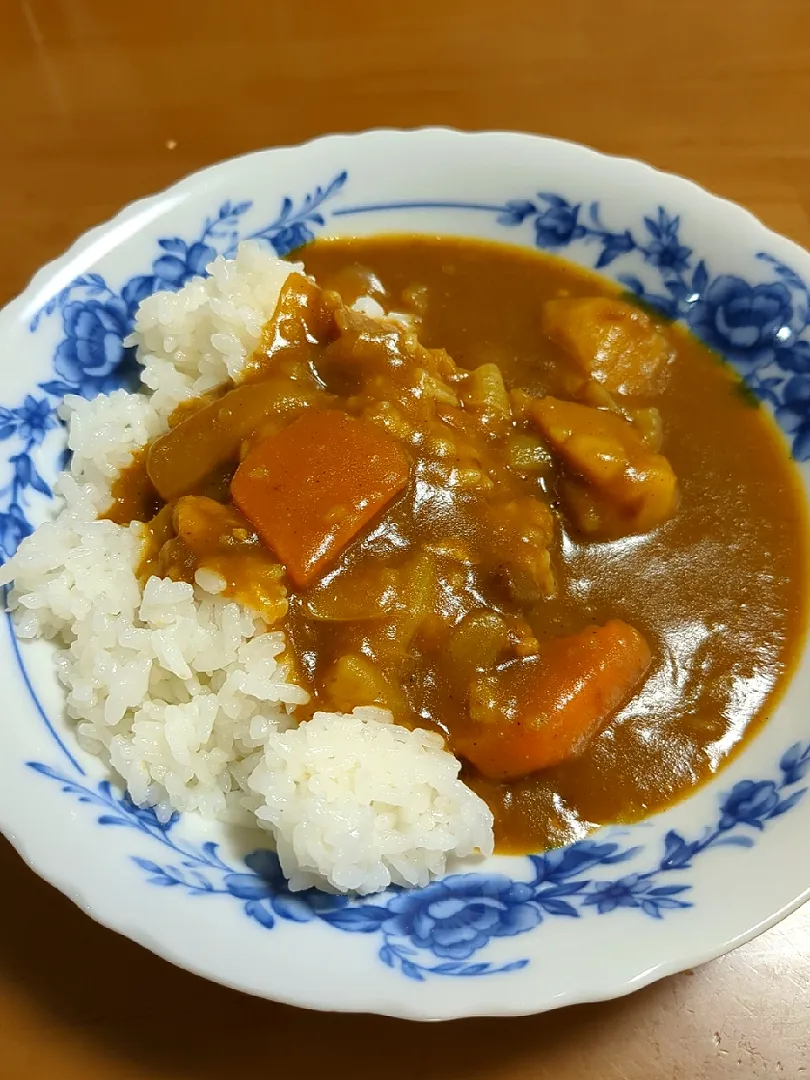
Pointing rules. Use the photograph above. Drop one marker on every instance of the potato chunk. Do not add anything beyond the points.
(612, 342)
(616, 484)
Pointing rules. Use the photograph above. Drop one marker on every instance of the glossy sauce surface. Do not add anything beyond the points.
(479, 564)
(718, 590)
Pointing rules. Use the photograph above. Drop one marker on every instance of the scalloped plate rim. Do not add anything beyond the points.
(81, 246)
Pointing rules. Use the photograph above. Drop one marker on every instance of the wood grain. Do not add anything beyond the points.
(105, 102)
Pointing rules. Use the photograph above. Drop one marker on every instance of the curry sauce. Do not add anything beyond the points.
(507, 538)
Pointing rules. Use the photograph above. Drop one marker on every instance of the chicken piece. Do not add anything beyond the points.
(203, 536)
(612, 342)
(522, 531)
(616, 484)
(304, 316)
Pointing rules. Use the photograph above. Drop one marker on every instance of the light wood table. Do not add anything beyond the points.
(102, 102)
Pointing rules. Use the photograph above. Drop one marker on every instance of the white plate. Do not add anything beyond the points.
(515, 935)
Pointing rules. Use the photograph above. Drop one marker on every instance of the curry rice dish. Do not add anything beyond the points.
(413, 545)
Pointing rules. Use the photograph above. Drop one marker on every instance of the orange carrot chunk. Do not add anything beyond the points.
(309, 489)
(541, 710)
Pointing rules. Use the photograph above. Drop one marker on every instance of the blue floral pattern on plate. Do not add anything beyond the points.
(762, 328)
(454, 918)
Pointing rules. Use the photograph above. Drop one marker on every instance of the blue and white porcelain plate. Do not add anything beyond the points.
(512, 935)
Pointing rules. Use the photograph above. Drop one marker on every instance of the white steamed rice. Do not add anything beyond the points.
(188, 696)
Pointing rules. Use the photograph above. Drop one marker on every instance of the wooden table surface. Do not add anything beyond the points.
(104, 102)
